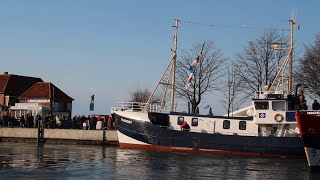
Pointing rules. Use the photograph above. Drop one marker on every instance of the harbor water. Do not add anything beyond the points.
(27, 161)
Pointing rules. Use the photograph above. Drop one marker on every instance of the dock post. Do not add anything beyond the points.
(103, 136)
(39, 132)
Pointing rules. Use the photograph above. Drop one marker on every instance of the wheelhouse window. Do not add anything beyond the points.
(226, 124)
(242, 125)
(261, 105)
(278, 105)
(194, 122)
(180, 120)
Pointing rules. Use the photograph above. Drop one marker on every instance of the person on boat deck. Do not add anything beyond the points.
(185, 126)
(303, 102)
(315, 105)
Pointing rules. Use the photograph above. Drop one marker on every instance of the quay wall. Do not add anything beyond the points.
(65, 136)
(19, 132)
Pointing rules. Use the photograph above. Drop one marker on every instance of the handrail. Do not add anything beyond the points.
(138, 106)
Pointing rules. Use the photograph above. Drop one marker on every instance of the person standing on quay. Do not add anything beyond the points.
(29, 121)
(94, 121)
(88, 122)
(83, 121)
(110, 124)
(5, 121)
(38, 120)
(22, 121)
(1, 121)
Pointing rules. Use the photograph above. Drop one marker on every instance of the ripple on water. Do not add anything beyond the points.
(22, 160)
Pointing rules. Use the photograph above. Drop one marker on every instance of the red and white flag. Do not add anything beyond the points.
(192, 68)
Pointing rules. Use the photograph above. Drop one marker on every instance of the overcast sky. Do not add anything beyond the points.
(109, 48)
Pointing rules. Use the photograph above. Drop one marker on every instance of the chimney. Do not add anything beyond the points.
(5, 73)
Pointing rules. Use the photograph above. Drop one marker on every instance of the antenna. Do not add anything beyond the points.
(294, 14)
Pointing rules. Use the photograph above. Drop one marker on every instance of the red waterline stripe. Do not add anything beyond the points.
(197, 151)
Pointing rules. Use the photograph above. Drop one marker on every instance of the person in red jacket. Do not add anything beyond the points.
(185, 126)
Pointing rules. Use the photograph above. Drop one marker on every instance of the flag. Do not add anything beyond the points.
(192, 69)
(195, 62)
(92, 103)
(188, 81)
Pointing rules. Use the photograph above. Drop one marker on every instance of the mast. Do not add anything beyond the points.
(280, 76)
(171, 75)
(174, 65)
(291, 57)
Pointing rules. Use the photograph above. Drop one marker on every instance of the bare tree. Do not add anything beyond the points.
(309, 67)
(257, 64)
(232, 97)
(206, 75)
(142, 95)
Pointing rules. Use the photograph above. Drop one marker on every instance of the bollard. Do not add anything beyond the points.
(104, 135)
(39, 133)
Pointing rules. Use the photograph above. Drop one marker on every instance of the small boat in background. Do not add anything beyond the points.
(309, 126)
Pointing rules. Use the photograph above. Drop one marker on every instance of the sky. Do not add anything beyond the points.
(111, 48)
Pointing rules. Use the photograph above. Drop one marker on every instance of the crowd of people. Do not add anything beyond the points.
(61, 122)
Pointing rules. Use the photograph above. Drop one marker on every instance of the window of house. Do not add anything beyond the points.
(242, 125)
(194, 122)
(180, 120)
(261, 105)
(226, 124)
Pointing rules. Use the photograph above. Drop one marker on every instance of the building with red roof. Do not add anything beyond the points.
(12, 86)
(43, 98)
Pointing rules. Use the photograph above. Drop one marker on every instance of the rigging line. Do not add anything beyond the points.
(233, 26)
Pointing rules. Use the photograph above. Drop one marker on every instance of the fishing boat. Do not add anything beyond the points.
(266, 128)
(309, 126)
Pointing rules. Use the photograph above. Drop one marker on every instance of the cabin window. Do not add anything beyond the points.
(242, 125)
(278, 105)
(180, 120)
(194, 122)
(226, 124)
(261, 105)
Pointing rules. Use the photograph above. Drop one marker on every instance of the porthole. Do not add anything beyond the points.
(242, 125)
(194, 122)
(180, 120)
(226, 124)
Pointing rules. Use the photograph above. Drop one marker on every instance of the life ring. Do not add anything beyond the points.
(278, 118)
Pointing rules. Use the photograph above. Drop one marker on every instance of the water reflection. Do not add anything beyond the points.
(20, 160)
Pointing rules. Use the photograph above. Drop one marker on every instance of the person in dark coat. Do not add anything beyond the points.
(94, 121)
(30, 121)
(88, 122)
(74, 122)
(315, 105)
(303, 102)
(5, 121)
(1, 121)
(22, 121)
(79, 122)
(12, 120)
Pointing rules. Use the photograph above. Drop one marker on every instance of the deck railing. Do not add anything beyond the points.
(137, 106)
